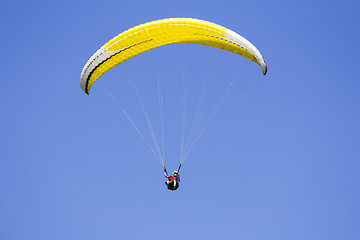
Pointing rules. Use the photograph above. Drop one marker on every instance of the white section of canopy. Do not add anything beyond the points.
(95, 60)
(239, 40)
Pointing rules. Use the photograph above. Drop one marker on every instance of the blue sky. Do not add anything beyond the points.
(280, 163)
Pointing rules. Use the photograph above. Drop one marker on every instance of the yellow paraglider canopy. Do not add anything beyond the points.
(150, 35)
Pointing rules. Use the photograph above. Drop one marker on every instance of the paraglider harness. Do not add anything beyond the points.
(173, 181)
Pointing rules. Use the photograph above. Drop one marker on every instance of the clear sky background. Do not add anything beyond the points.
(282, 162)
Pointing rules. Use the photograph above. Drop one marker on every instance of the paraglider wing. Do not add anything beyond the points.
(150, 35)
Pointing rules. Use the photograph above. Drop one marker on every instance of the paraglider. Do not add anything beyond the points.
(145, 37)
(173, 181)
